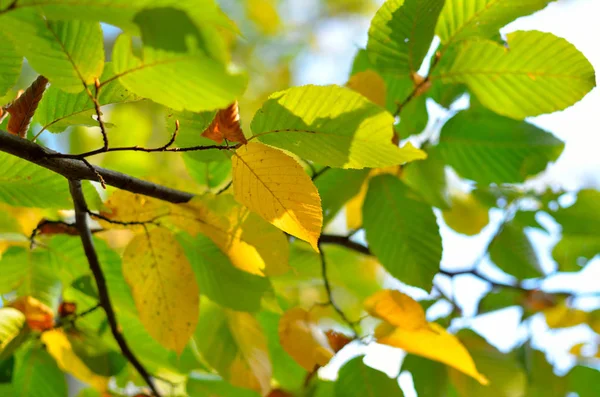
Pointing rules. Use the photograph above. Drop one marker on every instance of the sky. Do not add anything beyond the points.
(329, 62)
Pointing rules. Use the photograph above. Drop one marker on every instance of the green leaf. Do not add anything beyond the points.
(59, 109)
(190, 81)
(330, 125)
(539, 73)
(489, 148)
(507, 377)
(213, 386)
(500, 299)
(69, 53)
(356, 379)
(573, 252)
(336, 187)
(428, 178)
(423, 371)
(13, 331)
(543, 382)
(288, 373)
(402, 232)
(24, 184)
(463, 19)
(584, 381)
(10, 64)
(512, 252)
(38, 375)
(211, 174)
(6, 369)
(401, 33)
(218, 279)
(30, 273)
(191, 127)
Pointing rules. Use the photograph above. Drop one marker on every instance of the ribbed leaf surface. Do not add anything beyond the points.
(68, 53)
(401, 34)
(538, 73)
(463, 19)
(512, 252)
(489, 148)
(10, 64)
(332, 126)
(402, 232)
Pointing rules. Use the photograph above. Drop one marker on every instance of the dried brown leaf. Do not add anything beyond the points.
(23, 108)
(226, 125)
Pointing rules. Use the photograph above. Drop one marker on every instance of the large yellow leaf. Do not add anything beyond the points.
(59, 347)
(163, 286)
(303, 340)
(406, 327)
(370, 84)
(126, 207)
(251, 244)
(275, 186)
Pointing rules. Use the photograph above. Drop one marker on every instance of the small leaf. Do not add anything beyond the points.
(513, 252)
(13, 330)
(527, 80)
(39, 316)
(336, 340)
(332, 126)
(37, 375)
(22, 109)
(402, 232)
(561, 316)
(466, 214)
(401, 33)
(163, 286)
(274, 185)
(405, 327)
(370, 85)
(356, 379)
(60, 348)
(226, 125)
(303, 340)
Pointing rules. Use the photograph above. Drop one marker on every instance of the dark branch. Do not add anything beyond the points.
(75, 169)
(74, 317)
(81, 217)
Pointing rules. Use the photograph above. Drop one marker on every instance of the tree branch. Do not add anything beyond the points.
(81, 217)
(76, 169)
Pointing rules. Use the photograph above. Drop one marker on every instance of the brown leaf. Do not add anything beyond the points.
(336, 340)
(67, 308)
(226, 124)
(39, 316)
(47, 227)
(22, 109)
(279, 393)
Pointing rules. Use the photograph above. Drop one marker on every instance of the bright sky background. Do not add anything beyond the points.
(329, 61)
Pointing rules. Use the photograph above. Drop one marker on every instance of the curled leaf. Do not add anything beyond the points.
(39, 317)
(226, 124)
(22, 109)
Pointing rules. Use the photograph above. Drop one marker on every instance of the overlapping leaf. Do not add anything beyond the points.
(336, 187)
(428, 178)
(489, 148)
(332, 126)
(401, 33)
(251, 244)
(402, 232)
(163, 286)
(13, 326)
(10, 64)
(69, 53)
(405, 327)
(513, 252)
(466, 215)
(37, 375)
(465, 19)
(538, 73)
(356, 379)
(274, 185)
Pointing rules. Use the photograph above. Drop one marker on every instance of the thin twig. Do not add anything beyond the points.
(320, 172)
(81, 217)
(94, 99)
(224, 188)
(128, 223)
(330, 301)
(72, 318)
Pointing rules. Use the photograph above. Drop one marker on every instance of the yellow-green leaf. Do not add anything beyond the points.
(163, 286)
(275, 186)
(303, 340)
(466, 214)
(538, 73)
(405, 327)
(251, 244)
(59, 347)
(369, 84)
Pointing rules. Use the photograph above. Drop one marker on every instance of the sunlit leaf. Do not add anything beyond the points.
(163, 286)
(274, 185)
(562, 316)
(527, 80)
(332, 126)
(10, 64)
(39, 317)
(13, 330)
(401, 33)
(370, 85)
(466, 214)
(397, 309)
(303, 340)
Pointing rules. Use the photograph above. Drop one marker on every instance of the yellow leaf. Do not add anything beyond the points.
(163, 286)
(466, 215)
(126, 207)
(370, 85)
(251, 244)
(275, 186)
(59, 347)
(561, 316)
(303, 340)
(406, 327)
(576, 349)
(251, 367)
(39, 316)
(397, 309)
(434, 343)
(264, 14)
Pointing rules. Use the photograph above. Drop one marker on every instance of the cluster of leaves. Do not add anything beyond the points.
(238, 291)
